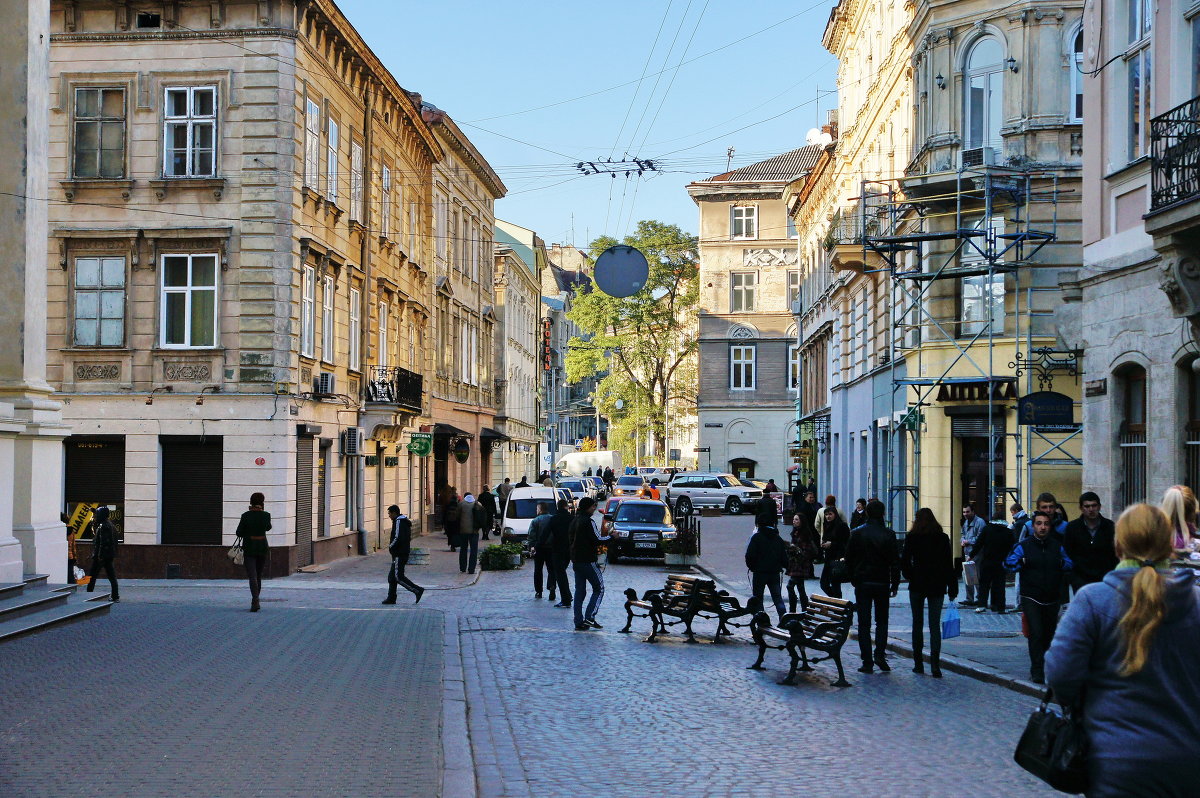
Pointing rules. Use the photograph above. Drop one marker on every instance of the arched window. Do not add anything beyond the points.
(1076, 62)
(1190, 377)
(984, 84)
(1131, 435)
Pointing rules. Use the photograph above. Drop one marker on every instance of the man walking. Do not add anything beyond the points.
(540, 537)
(1089, 543)
(503, 489)
(972, 525)
(399, 546)
(873, 562)
(766, 558)
(487, 500)
(471, 518)
(1046, 503)
(585, 540)
(560, 553)
(1044, 567)
(991, 547)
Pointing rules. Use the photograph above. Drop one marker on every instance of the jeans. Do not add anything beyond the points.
(917, 602)
(828, 586)
(991, 586)
(795, 586)
(467, 564)
(542, 561)
(870, 595)
(107, 565)
(254, 571)
(396, 577)
(558, 573)
(759, 581)
(587, 573)
(1043, 622)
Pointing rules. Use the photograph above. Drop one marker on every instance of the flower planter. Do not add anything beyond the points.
(681, 559)
(516, 561)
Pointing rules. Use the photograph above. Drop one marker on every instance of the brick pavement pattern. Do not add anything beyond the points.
(184, 693)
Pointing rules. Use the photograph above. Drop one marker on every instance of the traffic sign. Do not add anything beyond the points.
(702, 449)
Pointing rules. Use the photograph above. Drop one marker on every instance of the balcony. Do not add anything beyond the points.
(844, 241)
(1175, 156)
(395, 386)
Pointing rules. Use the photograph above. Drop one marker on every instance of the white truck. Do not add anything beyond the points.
(576, 463)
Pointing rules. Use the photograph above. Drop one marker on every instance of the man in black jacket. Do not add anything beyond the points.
(560, 554)
(1089, 543)
(1044, 566)
(399, 547)
(873, 562)
(766, 557)
(991, 547)
(487, 500)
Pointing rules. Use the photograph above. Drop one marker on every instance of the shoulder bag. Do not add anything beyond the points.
(1054, 747)
(236, 553)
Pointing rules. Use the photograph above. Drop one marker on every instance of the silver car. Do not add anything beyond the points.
(691, 489)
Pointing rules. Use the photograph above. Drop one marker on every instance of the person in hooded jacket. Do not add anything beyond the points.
(540, 537)
(104, 551)
(927, 562)
(487, 500)
(766, 558)
(1044, 566)
(834, 537)
(1127, 649)
(399, 546)
(585, 544)
(450, 518)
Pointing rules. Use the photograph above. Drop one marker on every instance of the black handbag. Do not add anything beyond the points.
(1054, 747)
(839, 572)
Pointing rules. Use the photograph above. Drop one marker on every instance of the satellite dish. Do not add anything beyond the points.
(813, 135)
(621, 271)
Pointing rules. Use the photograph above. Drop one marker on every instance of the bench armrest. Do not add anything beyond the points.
(822, 628)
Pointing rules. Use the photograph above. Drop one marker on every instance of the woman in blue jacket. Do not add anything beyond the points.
(1127, 648)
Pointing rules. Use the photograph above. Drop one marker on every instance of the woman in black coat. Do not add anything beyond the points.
(104, 549)
(927, 562)
(835, 536)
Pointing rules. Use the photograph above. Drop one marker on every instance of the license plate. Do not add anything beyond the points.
(645, 544)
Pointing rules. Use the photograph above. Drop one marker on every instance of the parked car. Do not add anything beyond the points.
(631, 485)
(578, 487)
(599, 493)
(757, 484)
(639, 528)
(520, 508)
(693, 489)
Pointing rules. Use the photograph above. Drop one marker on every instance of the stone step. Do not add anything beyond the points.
(73, 610)
(8, 590)
(38, 605)
(31, 601)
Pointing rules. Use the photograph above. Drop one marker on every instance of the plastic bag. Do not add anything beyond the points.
(951, 625)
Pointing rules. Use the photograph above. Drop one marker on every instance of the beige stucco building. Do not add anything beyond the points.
(242, 277)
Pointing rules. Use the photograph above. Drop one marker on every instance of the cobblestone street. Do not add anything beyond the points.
(181, 692)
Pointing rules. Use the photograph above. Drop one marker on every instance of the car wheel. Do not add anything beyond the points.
(683, 506)
(733, 506)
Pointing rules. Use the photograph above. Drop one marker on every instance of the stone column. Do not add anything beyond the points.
(33, 455)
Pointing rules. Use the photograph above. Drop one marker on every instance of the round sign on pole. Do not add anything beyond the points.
(621, 271)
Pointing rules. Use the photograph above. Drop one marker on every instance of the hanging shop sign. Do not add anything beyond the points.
(1045, 409)
(420, 443)
(462, 450)
(977, 391)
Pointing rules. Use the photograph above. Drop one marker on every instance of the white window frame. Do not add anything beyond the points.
(189, 291)
(101, 122)
(991, 291)
(332, 141)
(743, 360)
(105, 284)
(794, 362)
(308, 310)
(356, 181)
(794, 286)
(1075, 59)
(385, 202)
(355, 354)
(192, 120)
(745, 217)
(328, 293)
(992, 75)
(312, 143)
(790, 226)
(382, 342)
(743, 289)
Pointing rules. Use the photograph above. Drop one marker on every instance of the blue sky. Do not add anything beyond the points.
(490, 64)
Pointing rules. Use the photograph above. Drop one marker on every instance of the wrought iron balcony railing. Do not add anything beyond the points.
(395, 385)
(1175, 155)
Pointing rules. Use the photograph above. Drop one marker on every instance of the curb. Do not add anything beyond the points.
(959, 665)
(458, 761)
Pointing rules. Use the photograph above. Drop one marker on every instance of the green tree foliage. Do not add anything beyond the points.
(644, 345)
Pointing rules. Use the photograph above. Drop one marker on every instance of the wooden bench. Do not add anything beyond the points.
(823, 626)
(676, 598)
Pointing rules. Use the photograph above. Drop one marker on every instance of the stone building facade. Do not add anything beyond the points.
(748, 355)
(241, 281)
(1134, 305)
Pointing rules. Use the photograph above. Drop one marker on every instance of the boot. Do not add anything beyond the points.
(254, 604)
(918, 663)
(935, 666)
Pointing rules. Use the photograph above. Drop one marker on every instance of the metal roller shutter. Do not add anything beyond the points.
(304, 505)
(95, 469)
(192, 489)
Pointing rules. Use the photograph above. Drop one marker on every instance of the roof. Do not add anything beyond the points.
(783, 168)
(524, 252)
(554, 304)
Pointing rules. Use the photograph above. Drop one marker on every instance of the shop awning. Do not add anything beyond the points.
(488, 432)
(450, 429)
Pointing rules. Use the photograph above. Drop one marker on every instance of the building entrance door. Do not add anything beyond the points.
(976, 459)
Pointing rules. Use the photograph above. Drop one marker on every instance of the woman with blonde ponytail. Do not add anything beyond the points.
(1179, 503)
(1127, 650)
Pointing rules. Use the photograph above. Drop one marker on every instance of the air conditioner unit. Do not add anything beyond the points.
(326, 383)
(977, 156)
(352, 442)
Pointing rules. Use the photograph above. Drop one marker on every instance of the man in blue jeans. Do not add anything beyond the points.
(873, 562)
(585, 539)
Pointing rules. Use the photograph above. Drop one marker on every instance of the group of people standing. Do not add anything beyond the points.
(558, 538)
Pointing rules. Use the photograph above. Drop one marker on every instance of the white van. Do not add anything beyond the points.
(520, 509)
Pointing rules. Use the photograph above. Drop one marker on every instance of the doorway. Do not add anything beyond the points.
(977, 457)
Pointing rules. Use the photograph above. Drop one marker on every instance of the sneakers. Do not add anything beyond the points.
(390, 601)
(537, 595)
(563, 604)
(981, 610)
(883, 664)
(592, 622)
(582, 627)
(866, 667)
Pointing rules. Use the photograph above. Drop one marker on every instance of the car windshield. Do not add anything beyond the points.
(573, 485)
(642, 513)
(747, 483)
(630, 481)
(525, 508)
(728, 482)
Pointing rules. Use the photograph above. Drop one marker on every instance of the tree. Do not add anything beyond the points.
(644, 345)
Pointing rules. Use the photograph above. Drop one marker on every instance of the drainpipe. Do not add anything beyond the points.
(365, 260)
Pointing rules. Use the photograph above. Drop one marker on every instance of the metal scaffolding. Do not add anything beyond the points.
(985, 226)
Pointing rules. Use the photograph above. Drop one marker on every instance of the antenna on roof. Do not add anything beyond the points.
(728, 158)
